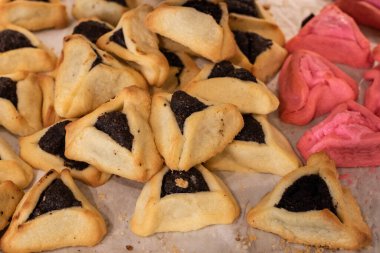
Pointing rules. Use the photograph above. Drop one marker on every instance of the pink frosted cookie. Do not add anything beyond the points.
(350, 135)
(366, 12)
(310, 86)
(372, 94)
(334, 35)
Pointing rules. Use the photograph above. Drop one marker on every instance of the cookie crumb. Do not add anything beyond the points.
(129, 247)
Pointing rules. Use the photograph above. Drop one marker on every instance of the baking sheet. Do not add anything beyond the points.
(116, 199)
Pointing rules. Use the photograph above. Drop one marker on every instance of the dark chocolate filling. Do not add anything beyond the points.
(244, 7)
(92, 30)
(252, 130)
(307, 193)
(183, 105)
(226, 69)
(190, 181)
(174, 61)
(118, 38)
(53, 142)
(115, 124)
(8, 90)
(56, 196)
(98, 59)
(120, 2)
(206, 7)
(10, 40)
(252, 44)
(307, 19)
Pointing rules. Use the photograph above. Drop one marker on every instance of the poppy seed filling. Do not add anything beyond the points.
(206, 7)
(115, 124)
(92, 30)
(307, 193)
(251, 131)
(190, 181)
(8, 90)
(244, 7)
(11, 40)
(183, 105)
(53, 142)
(226, 69)
(118, 38)
(56, 196)
(252, 44)
(120, 2)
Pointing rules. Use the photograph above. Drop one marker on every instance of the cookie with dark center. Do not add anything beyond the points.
(118, 38)
(183, 105)
(115, 124)
(120, 2)
(175, 181)
(307, 19)
(92, 30)
(226, 69)
(56, 196)
(53, 142)
(174, 61)
(252, 44)
(8, 90)
(244, 7)
(252, 130)
(307, 193)
(206, 7)
(11, 40)
(98, 59)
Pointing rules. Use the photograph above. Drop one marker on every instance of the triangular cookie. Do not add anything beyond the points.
(350, 135)
(261, 56)
(183, 201)
(109, 11)
(250, 16)
(230, 84)
(310, 86)
(88, 77)
(259, 147)
(182, 69)
(134, 43)
(45, 150)
(366, 12)
(27, 14)
(20, 114)
(310, 206)
(53, 214)
(116, 138)
(12, 167)
(21, 50)
(334, 35)
(189, 130)
(189, 22)
(10, 196)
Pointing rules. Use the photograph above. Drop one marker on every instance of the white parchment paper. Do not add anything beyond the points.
(116, 199)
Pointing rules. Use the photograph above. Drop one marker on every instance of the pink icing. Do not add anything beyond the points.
(366, 12)
(372, 95)
(375, 3)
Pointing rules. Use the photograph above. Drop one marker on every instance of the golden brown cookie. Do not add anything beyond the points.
(310, 206)
(234, 85)
(20, 113)
(134, 43)
(44, 150)
(183, 201)
(116, 138)
(53, 214)
(12, 168)
(10, 196)
(201, 26)
(34, 15)
(88, 77)
(20, 50)
(259, 147)
(189, 130)
(109, 11)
